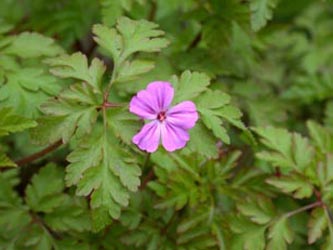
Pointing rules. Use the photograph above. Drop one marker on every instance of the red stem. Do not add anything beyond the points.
(39, 154)
(147, 178)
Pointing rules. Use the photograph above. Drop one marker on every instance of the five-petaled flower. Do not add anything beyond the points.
(167, 124)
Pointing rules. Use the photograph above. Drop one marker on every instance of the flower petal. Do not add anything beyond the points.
(173, 137)
(149, 137)
(149, 102)
(183, 115)
(163, 94)
(141, 106)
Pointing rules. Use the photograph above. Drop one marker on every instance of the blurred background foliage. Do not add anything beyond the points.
(275, 58)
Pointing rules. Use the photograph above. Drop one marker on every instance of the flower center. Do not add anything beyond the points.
(161, 116)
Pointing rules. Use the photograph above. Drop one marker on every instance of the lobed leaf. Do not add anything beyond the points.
(189, 85)
(99, 168)
(215, 108)
(73, 112)
(5, 161)
(129, 37)
(46, 189)
(260, 210)
(317, 224)
(286, 150)
(296, 185)
(11, 123)
(280, 235)
(32, 45)
(262, 11)
(76, 66)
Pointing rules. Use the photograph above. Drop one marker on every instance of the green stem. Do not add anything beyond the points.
(105, 120)
(108, 87)
(147, 159)
(106, 103)
(150, 174)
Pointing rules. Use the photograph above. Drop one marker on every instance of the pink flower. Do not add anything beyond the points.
(167, 124)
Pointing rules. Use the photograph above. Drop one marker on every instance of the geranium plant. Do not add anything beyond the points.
(164, 125)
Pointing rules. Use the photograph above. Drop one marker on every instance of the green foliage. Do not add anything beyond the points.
(68, 70)
(25, 84)
(129, 37)
(5, 161)
(112, 10)
(288, 151)
(23, 224)
(108, 173)
(11, 123)
(68, 20)
(280, 235)
(214, 107)
(317, 224)
(295, 185)
(99, 168)
(262, 11)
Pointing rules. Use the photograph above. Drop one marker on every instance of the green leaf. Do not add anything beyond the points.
(181, 187)
(202, 141)
(286, 150)
(73, 112)
(317, 224)
(72, 215)
(5, 161)
(193, 221)
(219, 234)
(189, 85)
(66, 20)
(261, 12)
(280, 141)
(113, 9)
(215, 106)
(140, 36)
(247, 235)
(232, 115)
(129, 37)
(296, 185)
(76, 66)
(198, 238)
(325, 171)
(214, 123)
(329, 241)
(132, 70)
(109, 39)
(280, 235)
(321, 137)
(123, 124)
(311, 88)
(5, 27)
(100, 168)
(75, 109)
(11, 123)
(36, 238)
(260, 210)
(25, 88)
(13, 214)
(46, 189)
(213, 99)
(177, 199)
(32, 45)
